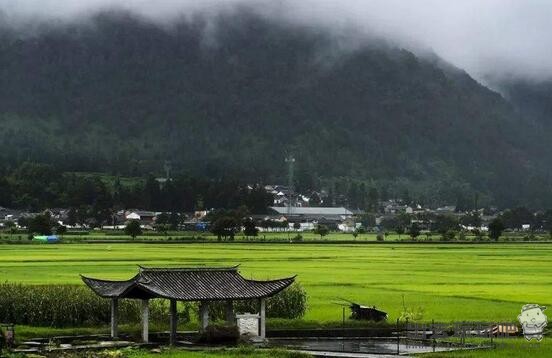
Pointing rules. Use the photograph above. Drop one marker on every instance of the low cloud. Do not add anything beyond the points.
(488, 38)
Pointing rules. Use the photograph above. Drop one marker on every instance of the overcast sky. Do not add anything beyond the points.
(484, 37)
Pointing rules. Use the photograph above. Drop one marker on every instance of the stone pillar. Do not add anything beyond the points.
(114, 314)
(204, 315)
(174, 322)
(262, 318)
(230, 319)
(145, 321)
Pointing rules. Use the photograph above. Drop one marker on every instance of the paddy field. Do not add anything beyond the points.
(442, 282)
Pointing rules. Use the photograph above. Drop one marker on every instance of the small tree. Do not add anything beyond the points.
(445, 223)
(226, 227)
(360, 231)
(61, 230)
(321, 230)
(414, 231)
(133, 229)
(496, 227)
(40, 224)
(449, 235)
(162, 223)
(249, 228)
(162, 228)
(400, 230)
(10, 225)
(296, 225)
(162, 219)
(174, 220)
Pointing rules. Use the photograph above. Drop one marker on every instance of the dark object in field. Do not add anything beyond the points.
(360, 312)
(364, 313)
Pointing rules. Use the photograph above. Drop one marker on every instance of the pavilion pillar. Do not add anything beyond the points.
(262, 318)
(230, 318)
(204, 315)
(174, 322)
(145, 321)
(114, 314)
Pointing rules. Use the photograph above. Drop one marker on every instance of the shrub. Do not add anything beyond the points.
(449, 235)
(380, 236)
(297, 238)
(290, 303)
(72, 306)
(69, 305)
(133, 229)
(321, 230)
(479, 235)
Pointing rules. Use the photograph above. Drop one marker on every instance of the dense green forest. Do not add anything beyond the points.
(531, 99)
(229, 98)
(36, 187)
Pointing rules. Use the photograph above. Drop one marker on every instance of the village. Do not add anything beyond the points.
(299, 213)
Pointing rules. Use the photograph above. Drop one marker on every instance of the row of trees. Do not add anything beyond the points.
(512, 219)
(496, 227)
(227, 223)
(35, 187)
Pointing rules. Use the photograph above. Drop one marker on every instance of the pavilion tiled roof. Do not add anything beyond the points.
(188, 284)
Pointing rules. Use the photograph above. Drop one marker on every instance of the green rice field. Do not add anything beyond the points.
(444, 282)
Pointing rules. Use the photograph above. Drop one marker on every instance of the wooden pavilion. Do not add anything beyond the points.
(203, 285)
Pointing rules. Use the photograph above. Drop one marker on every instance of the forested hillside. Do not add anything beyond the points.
(532, 99)
(233, 96)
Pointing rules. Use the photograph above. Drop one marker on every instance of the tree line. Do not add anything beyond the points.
(35, 187)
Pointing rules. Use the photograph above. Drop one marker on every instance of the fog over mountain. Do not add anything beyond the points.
(357, 91)
(488, 38)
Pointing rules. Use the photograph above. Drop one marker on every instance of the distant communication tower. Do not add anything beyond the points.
(168, 168)
(291, 162)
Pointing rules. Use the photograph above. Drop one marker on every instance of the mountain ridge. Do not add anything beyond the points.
(124, 95)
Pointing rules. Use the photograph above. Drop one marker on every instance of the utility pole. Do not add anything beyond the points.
(291, 162)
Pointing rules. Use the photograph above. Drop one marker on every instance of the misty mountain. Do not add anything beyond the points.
(233, 95)
(532, 99)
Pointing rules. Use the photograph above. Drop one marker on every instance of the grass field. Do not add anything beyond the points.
(448, 282)
(307, 236)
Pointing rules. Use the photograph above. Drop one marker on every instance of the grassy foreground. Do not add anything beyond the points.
(447, 282)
